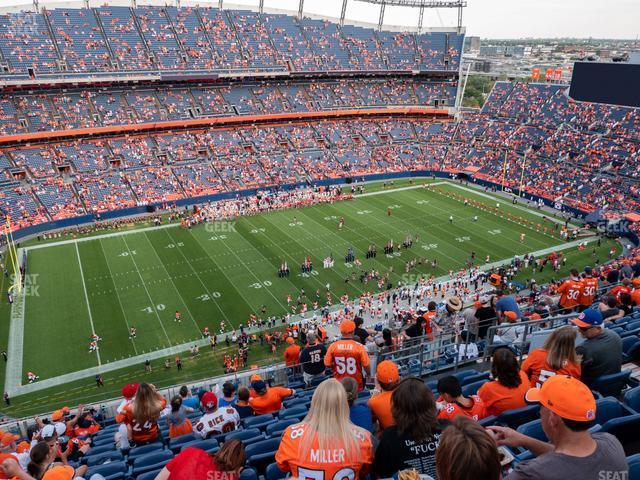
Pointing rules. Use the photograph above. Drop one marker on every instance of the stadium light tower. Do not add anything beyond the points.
(421, 4)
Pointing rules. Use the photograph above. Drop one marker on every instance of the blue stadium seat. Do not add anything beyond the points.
(110, 471)
(274, 473)
(104, 440)
(631, 354)
(293, 412)
(472, 388)
(143, 450)
(632, 399)
(634, 466)
(611, 385)
(101, 449)
(625, 430)
(519, 416)
(276, 429)
(149, 475)
(609, 408)
(151, 461)
(630, 333)
(261, 454)
(260, 421)
(296, 402)
(248, 474)
(176, 443)
(104, 457)
(466, 374)
(474, 378)
(207, 445)
(247, 437)
(634, 325)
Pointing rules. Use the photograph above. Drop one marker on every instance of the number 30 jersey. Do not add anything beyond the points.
(327, 463)
(347, 359)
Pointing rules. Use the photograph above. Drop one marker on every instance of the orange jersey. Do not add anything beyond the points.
(323, 464)
(380, 406)
(570, 292)
(498, 398)
(141, 432)
(589, 290)
(292, 355)
(538, 370)
(347, 358)
(477, 410)
(635, 296)
(271, 401)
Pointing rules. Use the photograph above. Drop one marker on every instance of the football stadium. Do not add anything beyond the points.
(261, 242)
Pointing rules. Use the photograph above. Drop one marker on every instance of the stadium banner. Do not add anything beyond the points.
(548, 74)
(557, 74)
(535, 74)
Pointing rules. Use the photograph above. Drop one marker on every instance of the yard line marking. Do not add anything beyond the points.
(86, 297)
(124, 315)
(392, 190)
(146, 289)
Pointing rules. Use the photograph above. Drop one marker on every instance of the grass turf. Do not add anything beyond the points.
(142, 278)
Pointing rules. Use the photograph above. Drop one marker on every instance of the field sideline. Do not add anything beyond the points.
(107, 283)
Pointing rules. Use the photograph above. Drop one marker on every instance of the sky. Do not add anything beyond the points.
(484, 18)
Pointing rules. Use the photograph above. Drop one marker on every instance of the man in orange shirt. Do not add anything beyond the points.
(589, 289)
(268, 400)
(635, 294)
(291, 354)
(570, 292)
(348, 357)
(456, 404)
(387, 376)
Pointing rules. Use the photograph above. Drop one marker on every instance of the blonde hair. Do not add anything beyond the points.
(561, 347)
(328, 420)
(147, 404)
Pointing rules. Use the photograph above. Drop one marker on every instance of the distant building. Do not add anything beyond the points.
(634, 57)
(473, 44)
(502, 51)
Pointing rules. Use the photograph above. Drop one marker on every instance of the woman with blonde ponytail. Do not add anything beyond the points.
(326, 445)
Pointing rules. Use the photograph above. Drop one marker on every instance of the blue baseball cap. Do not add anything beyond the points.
(589, 318)
(588, 270)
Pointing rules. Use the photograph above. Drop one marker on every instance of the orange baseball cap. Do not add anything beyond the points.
(635, 282)
(565, 396)
(290, 340)
(511, 315)
(347, 327)
(254, 378)
(23, 447)
(59, 472)
(56, 416)
(387, 372)
(7, 438)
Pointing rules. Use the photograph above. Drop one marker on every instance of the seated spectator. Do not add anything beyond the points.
(177, 420)
(387, 379)
(635, 293)
(43, 465)
(359, 414)
(360, 333)
(608, 308)
(268, 400)
(194, 463)
(326, 443)
(506, 303)
(228, 395)
(140, 424)
(415, 330)
(312, 359)
(128, 392)
(556, 357)
(509, 384)
(567, 411)
(601, 352)
(465, 347)
(509, 332)
(215, 420)
(455, 404)
(242, 404)
(8, 448)
(189, 400)
(413, 440)
(467, 452)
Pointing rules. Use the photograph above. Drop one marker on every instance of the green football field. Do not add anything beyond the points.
(227, 271)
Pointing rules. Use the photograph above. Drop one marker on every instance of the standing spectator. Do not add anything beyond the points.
(194, 463)
(589, 289)
(570, 292)
(387, 379)
(7, 400)
(141, 417)
(416, 329)
(326, 443)
(359, 414)
(312, 359)
(509, 384)
(216, 419)
(188, 400)
(177, 420)
(486, 316)
(412, 442)
(228, 395)
(467, 452)
(456, 404)
(601, 351)
(268, 400)
(347, 357)
(242, 404)
(567, 411)
(292, 355)
(556, 357)
(360, 333)
(506, 303)
(465, 347)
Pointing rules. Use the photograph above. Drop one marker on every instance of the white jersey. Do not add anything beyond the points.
(223, 420)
